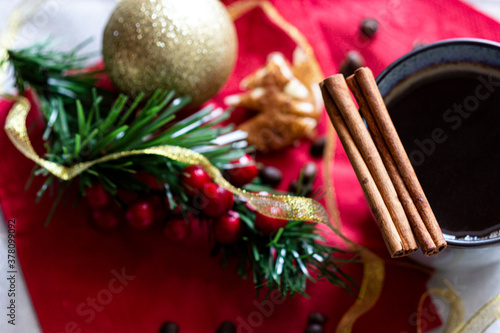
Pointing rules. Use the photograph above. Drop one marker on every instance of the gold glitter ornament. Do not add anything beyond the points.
(184, 45)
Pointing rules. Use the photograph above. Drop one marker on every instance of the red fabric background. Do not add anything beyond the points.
(68, 264)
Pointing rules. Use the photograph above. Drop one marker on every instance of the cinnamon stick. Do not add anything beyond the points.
(418, 226)
(368, 86)
(338, 90)
(372, 194)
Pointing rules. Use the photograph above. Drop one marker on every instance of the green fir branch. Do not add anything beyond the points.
(84, 122)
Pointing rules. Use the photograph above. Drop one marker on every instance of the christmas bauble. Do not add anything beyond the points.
(184, 45)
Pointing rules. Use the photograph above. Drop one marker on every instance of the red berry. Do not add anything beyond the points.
(177, 229)
(97, 197)
(228, 228)
(216, 200)
(267, 225)
(141, 215)
(243, 174)
(107, 219)
(194, 178)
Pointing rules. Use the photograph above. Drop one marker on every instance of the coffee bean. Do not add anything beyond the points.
(169, 327)
(317, 318)
(226, 327)
(353, 60)
(314, 328)
(271, 176)
(309, 171)
(369, 27)
(318, 147)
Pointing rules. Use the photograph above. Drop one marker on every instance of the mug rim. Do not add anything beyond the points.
(452, 242)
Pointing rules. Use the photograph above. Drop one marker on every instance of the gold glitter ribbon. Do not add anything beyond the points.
(278, 206)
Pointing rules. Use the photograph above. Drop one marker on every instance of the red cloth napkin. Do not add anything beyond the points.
(83, 280)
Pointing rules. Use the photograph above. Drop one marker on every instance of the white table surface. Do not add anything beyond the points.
(66, 18)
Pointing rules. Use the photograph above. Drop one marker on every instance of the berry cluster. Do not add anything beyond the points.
(217, 202)
(140, 214)
(213, 202)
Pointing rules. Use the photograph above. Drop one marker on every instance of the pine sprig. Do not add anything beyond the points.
(286, 260)
(46, 71)
(84, 122)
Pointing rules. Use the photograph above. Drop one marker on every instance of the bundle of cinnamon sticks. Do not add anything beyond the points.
(381, 164)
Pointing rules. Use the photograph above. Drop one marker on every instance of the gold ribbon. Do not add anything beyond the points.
(454, 323)
(238, 9)
(370, 291)
(477, 323)
(457, 309)
(278, 206)
(483, 318)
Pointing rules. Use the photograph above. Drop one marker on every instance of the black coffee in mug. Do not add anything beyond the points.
(448, 118)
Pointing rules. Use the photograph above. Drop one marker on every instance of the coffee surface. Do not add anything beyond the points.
(450, 127)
